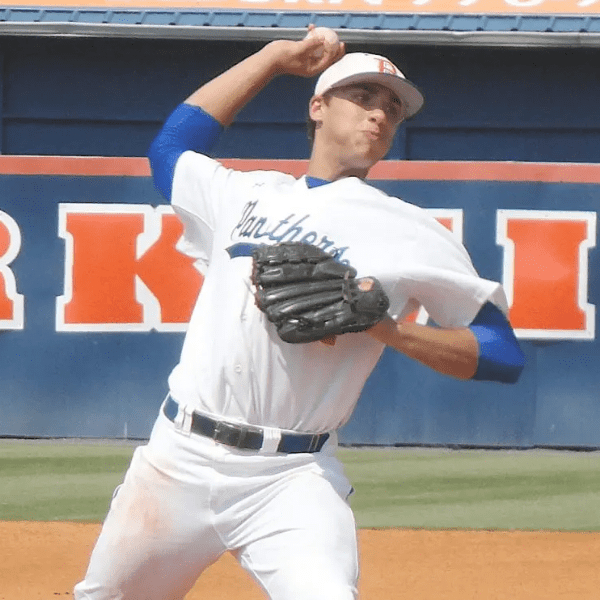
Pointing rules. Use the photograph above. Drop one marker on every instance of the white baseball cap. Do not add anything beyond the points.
(360, 66)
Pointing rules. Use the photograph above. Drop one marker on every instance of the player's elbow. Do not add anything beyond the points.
(514, 370)
(500, 355)
(163, 156)
(505, 367)
(154, 154)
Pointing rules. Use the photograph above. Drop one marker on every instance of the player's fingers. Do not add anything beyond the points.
(327, 59)
(311, 43)
(269, 296)
(314, 56)
(315, 308)
(340, 52)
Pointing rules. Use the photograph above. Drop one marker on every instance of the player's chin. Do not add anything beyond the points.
(376, 149)
(371, 155)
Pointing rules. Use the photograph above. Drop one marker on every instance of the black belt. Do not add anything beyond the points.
(246, 437)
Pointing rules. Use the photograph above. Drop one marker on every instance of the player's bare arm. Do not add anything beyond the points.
(486, 350)
(224, 96)
(453, 352)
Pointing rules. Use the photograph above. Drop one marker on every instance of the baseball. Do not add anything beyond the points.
(329, 37)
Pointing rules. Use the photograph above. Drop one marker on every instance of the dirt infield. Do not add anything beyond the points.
(42, 561)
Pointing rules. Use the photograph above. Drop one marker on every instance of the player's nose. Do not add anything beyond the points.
(378, 114)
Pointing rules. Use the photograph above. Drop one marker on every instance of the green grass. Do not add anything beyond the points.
(477, 489)
(409, 487)
(59, 481)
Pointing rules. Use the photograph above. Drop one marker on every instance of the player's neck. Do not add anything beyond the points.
(325, 165)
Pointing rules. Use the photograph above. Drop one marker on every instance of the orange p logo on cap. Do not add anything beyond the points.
(385, 66)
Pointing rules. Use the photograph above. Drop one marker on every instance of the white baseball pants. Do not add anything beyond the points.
(186, 500)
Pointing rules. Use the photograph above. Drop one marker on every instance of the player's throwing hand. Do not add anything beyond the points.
(309, 56)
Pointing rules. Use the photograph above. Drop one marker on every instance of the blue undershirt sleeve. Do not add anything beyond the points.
(187, 128)
(500, 355)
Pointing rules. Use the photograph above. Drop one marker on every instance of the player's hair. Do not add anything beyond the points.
(310, 129)
(312, 125)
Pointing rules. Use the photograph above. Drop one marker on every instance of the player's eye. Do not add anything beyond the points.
(361, 95)
(394, 110)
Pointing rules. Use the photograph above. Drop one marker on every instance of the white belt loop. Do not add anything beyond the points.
(271, 439)
(183, 420)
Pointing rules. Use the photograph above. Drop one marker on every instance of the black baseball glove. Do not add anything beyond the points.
(310, 296)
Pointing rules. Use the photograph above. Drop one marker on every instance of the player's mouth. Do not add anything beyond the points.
(373, 134)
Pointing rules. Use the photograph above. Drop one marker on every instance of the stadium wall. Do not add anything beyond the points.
(82, 360)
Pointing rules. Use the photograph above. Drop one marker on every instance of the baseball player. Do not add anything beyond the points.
(242, 457)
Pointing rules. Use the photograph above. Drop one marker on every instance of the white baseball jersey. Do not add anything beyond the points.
(233, 364)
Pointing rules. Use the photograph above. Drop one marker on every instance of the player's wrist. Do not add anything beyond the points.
(385, 331)
(275, 56)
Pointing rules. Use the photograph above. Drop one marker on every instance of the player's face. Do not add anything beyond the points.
(359, 121)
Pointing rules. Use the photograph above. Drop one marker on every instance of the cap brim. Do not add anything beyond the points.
(404, 89)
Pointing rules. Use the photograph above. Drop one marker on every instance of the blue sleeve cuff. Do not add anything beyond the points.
(500, 355)
(187, 128)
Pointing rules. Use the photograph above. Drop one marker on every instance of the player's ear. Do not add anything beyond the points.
(315, 108)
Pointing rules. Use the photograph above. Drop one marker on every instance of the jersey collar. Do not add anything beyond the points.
(312, 182)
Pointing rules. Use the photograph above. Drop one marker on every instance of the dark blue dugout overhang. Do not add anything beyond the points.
(262, 25)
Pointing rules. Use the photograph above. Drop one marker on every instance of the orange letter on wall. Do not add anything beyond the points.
(11, 303)
(122, 272)
(452, 219)
(545, 272)
(170, 275)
